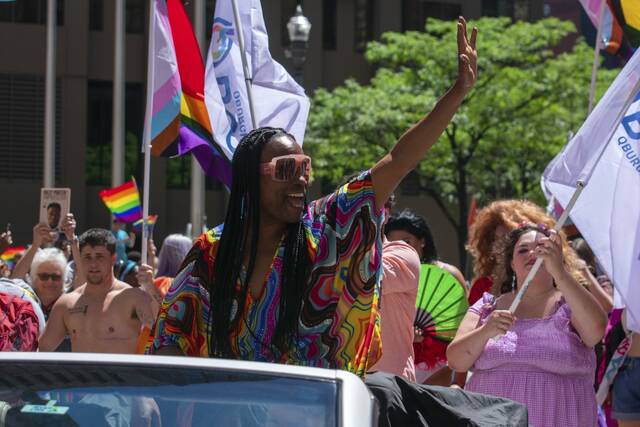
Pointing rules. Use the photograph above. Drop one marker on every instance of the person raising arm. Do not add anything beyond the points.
(414, 144)
(41, 236)
(290, 281)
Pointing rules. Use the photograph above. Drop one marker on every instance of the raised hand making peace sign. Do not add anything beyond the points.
(467, 55)
(414, 144)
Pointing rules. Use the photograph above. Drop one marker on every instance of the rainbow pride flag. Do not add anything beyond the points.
(151, 222)
(177, 121)
(628, 14)
(123, 201)
(10, 254)
(620, 22)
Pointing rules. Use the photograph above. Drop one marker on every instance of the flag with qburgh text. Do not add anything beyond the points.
(605, 155)
(278, 100)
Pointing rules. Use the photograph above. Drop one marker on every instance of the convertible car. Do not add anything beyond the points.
(96, 390)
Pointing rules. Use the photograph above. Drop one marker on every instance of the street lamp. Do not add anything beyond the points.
(298, 28)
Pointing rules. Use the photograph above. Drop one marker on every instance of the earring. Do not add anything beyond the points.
(513, 283)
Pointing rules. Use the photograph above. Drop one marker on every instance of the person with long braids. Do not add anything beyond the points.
(288, 281)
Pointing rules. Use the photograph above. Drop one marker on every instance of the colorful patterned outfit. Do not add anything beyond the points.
(542, 363)
(338, 326)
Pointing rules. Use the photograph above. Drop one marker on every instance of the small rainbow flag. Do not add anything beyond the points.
(123, 201)
(151, 221)
(9, 255)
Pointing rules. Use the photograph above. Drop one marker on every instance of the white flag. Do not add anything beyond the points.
(279, 100)
(607, 212)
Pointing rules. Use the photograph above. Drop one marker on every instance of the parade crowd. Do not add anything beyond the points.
(333, 283)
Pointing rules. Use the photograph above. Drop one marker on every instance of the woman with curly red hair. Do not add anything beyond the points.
(487, 233)
(493, 222)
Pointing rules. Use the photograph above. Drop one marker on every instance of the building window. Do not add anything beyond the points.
(416, 12)
(522, 10)
(518, 10)
(22, 126)
(179, 172)
(329, 24)
(99, 123)
(497, 8)
(99, 112)
(29, 12)
(96, 15)
(135, 16)
(363, 24)
(179, 175)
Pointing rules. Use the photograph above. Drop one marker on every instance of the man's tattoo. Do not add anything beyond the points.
(78, 310)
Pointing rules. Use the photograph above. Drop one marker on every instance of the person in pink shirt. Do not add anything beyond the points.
(429, 358)
(399, 288)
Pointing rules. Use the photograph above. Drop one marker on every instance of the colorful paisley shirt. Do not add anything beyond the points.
(338, 326)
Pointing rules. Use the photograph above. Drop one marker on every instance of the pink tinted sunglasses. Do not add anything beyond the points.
(288, 168)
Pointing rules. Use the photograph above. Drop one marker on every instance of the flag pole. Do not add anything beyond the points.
(596, 57)
(146, 138)
(574, 198)
(118, 131)
(49, 168)
(248, 80)
(197, 194)
(145, 203)
(536, 266)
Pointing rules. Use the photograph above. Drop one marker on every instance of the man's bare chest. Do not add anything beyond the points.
(101, 318)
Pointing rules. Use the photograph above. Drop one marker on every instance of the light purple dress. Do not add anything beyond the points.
(542, 363)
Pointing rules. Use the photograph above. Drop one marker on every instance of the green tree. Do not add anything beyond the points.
(526, 101)
(98, 163)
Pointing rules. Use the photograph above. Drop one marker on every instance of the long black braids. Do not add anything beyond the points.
(242, 219)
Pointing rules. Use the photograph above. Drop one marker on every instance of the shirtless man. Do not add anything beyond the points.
(103, 315)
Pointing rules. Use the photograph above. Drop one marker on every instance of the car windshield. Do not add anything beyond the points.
(54, 394)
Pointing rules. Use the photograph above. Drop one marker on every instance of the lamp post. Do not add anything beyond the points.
(298, 28)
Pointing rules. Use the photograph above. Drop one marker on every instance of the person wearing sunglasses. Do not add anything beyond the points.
(286, 280)
(48, 276)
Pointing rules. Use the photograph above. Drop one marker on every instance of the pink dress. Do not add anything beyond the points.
(542, 363)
